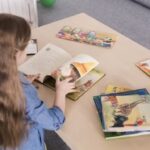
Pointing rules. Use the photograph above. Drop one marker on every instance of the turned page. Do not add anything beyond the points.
(45, 61)
(78, 67)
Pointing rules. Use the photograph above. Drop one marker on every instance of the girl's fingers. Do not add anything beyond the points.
(36, 76)
(73, 90)
(31, 78)
(58, 79)
(58, 75)
(71, 85)
(69, 79)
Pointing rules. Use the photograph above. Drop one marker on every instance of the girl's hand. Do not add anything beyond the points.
(32, 78)
(65, 86)
(62, 88)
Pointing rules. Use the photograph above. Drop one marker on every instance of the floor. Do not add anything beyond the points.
(125, 16)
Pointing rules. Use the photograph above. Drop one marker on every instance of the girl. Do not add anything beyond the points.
(23, 116)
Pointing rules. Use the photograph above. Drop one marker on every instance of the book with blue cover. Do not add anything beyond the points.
(126, 112)
(109, 134)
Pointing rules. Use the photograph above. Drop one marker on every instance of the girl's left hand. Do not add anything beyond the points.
(32, 78)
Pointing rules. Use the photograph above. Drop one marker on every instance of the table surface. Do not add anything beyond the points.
(82, 130)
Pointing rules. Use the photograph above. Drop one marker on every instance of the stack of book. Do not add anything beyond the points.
(124, 112)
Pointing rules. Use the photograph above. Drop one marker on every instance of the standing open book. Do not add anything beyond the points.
(51, 59)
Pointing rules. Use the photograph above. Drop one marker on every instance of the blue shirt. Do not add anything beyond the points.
(39, 117)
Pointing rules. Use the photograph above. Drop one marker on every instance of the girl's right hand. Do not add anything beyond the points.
(65, 86)
(62, 88)
(32, 78)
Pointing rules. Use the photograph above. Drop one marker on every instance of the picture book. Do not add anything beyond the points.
(97, 100)
(115, 89)
(126, 113)
(113, 135)
(32, 47)
(106, 40)
(144, 66)
(52, 60)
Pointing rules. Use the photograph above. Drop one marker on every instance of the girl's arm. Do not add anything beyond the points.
(62, 88)
(52, 118)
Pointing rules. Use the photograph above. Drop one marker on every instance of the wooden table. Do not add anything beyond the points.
(82, 130)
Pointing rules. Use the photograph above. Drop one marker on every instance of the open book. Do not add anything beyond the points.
(51, 59)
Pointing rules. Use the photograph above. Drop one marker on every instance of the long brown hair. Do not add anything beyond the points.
(14, 34)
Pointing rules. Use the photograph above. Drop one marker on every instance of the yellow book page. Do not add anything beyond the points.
(115, 89)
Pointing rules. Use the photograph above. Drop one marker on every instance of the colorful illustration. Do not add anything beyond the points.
(126, 111)
(90, 37)
(82, 85)
(115, 89)
(78, 67)
(113, 134)
(86, 83)
(145, 66)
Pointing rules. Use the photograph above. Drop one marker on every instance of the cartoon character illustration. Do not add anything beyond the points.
(83, 87)
(119, 120)
(74, 70)
(91, 36)
(67, 29)
(121, 113)
(126, 109)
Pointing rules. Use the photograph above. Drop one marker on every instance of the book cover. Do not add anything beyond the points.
(115, 89)
(106, 40)
(144, 66)
(126, 113)
(98, 104)
(113, 135)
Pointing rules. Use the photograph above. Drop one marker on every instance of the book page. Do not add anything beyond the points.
(81, 86)
(32, 47)
(45, 61)
(86, 83)
(116, 89)
(77, 67)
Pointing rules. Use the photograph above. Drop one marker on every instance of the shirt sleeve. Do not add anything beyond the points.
(36, 111)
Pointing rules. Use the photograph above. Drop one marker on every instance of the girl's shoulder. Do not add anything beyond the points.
(30, 93)
(27, 86)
